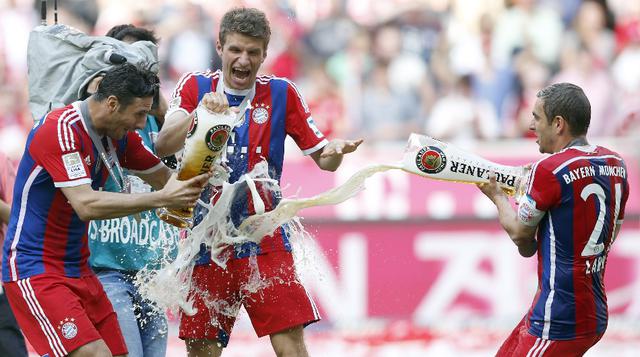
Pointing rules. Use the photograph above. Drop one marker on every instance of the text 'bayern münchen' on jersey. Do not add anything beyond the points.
(45, 234)
(576, 197)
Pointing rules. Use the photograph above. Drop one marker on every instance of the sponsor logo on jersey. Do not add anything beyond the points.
(193, 126)
(68, 328)
(217, 137)
(73, 164)
(431, 160)
(260, 115)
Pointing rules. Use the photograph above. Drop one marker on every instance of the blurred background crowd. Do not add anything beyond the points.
(465, 71)
(458, 70)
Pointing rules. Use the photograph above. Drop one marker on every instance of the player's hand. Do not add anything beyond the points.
(491, 189)
(220, 173)
(180, 194)
(215, 102)
(340, 147)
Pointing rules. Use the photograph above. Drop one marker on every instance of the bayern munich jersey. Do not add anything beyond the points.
(577, 198)
(277, 110)
(45, 235)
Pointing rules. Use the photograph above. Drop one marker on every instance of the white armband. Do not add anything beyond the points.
(528, 214)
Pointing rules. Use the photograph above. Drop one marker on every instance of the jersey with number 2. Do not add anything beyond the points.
(577, 198)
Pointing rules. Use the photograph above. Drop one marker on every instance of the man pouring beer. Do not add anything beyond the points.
(57, 299)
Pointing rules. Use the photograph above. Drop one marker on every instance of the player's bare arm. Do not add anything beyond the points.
(5, 211)
(90, 204)
(157, 179)
(174, 131)
(330, 156)
(523, 236)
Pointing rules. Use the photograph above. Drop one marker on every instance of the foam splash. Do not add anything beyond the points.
(257, 226)
(169, 287)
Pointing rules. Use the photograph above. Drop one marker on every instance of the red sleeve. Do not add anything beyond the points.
(544, 187)
(138, 157)
(61, 152)
(299, 123)
(185, 95)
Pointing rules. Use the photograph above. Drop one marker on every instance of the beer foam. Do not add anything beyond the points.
(169, 287)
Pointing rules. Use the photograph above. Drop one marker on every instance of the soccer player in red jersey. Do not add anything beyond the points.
(283, 308)
(57, 299)
(570, 214)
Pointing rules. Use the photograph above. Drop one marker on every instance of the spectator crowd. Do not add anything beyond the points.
(458, 70)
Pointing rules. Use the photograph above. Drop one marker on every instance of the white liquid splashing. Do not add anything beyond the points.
(169, 286)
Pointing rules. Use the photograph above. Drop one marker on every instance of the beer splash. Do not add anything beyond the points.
(169, 287)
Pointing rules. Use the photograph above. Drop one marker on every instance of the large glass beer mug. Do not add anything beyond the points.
(438, 160)
(206, 140)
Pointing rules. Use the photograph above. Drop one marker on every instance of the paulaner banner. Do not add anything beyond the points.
(428, 157)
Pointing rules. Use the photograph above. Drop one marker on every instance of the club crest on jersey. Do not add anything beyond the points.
(68, 328)
(260, 115)
(194, 124)
(216, 137)
(431, 160)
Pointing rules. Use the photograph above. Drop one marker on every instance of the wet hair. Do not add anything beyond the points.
(245, 21)
(127, 82)
(568, 101)
(119, 32)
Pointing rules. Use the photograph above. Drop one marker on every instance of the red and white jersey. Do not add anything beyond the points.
(576, 197)
(45, 234)
(278, 110)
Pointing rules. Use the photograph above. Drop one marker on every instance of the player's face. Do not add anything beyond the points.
(129, 118)
(241, 57)
(542, 128)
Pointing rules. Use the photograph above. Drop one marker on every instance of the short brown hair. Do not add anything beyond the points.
(568, 101)
(245, 21)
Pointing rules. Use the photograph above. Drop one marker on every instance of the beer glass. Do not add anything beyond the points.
(436, 159)
(206, 140)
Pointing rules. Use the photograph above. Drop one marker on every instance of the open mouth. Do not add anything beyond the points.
(241, 74)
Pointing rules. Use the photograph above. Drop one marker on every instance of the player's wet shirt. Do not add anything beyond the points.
(277, 110)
